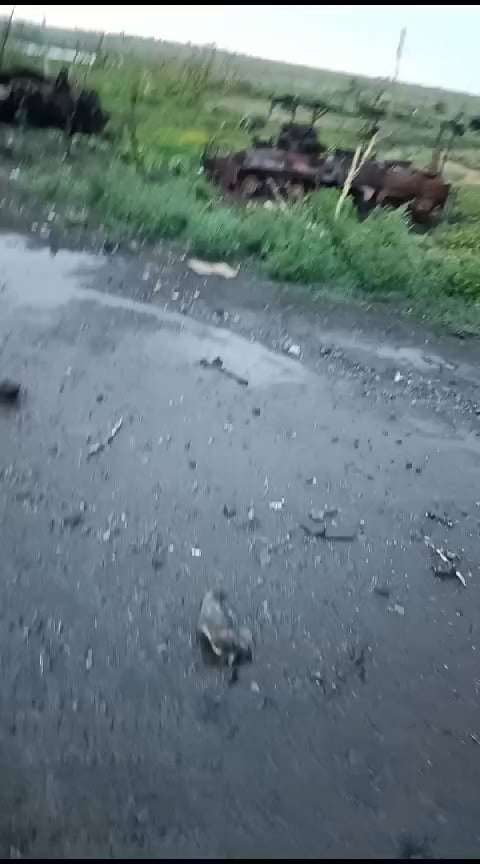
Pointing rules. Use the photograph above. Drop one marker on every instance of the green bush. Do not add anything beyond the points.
(303, 251)
(215, 233)
(382, 253)
(457, 275)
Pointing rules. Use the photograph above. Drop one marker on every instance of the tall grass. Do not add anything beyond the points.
(146, 182)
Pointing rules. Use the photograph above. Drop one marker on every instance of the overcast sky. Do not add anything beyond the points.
(441, 49)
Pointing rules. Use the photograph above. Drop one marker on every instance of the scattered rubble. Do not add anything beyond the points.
(217, 364)
(444, 564)
(442, 520)
(218, 632)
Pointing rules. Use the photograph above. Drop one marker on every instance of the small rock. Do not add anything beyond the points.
(409, 466)
(196, 552)
(397, 608)
(254, 687)
(277, 505)
(382, 591)
(251, 513)
(89, 660)
(256, 412)
(264, 557)
(397, 377)
(229, 511)
(317, 515)
(295, 351)
(159, 557)
(100, 397)
(311, 481)
(218, 631)
(73, 520)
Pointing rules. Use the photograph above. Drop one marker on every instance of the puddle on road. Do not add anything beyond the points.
(32, 277)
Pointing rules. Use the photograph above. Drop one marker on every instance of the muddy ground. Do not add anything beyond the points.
(355, 731)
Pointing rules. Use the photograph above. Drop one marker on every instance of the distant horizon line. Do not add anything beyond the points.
(232, 52)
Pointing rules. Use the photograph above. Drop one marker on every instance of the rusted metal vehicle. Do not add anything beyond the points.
(298, 164)
(41, 101)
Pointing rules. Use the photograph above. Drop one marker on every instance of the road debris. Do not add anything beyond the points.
(397, 608)
(437, 517)
(277, 505)
(342, 530)
(73, 520)
(98, 446)
(316, 530)
(382, 591)
(229, 511)
(159, 554)
(252, 520)
(444, 564)
(9, 391)
(217, 363)
(218, 632)
(196, 552)
(397, 378)
(89, 660)
(210, 268)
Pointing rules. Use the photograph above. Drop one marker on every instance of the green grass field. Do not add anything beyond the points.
(167, 104)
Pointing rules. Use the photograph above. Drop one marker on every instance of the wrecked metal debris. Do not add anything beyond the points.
(276, 172)
(217, 363)
(219, 633)
(100, 445)
(9, 391)
(29, 97)
(209, 268)
(444, 564)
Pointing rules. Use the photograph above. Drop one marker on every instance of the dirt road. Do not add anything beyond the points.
(356, 730)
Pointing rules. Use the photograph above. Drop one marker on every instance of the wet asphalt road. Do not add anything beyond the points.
(355, 732)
